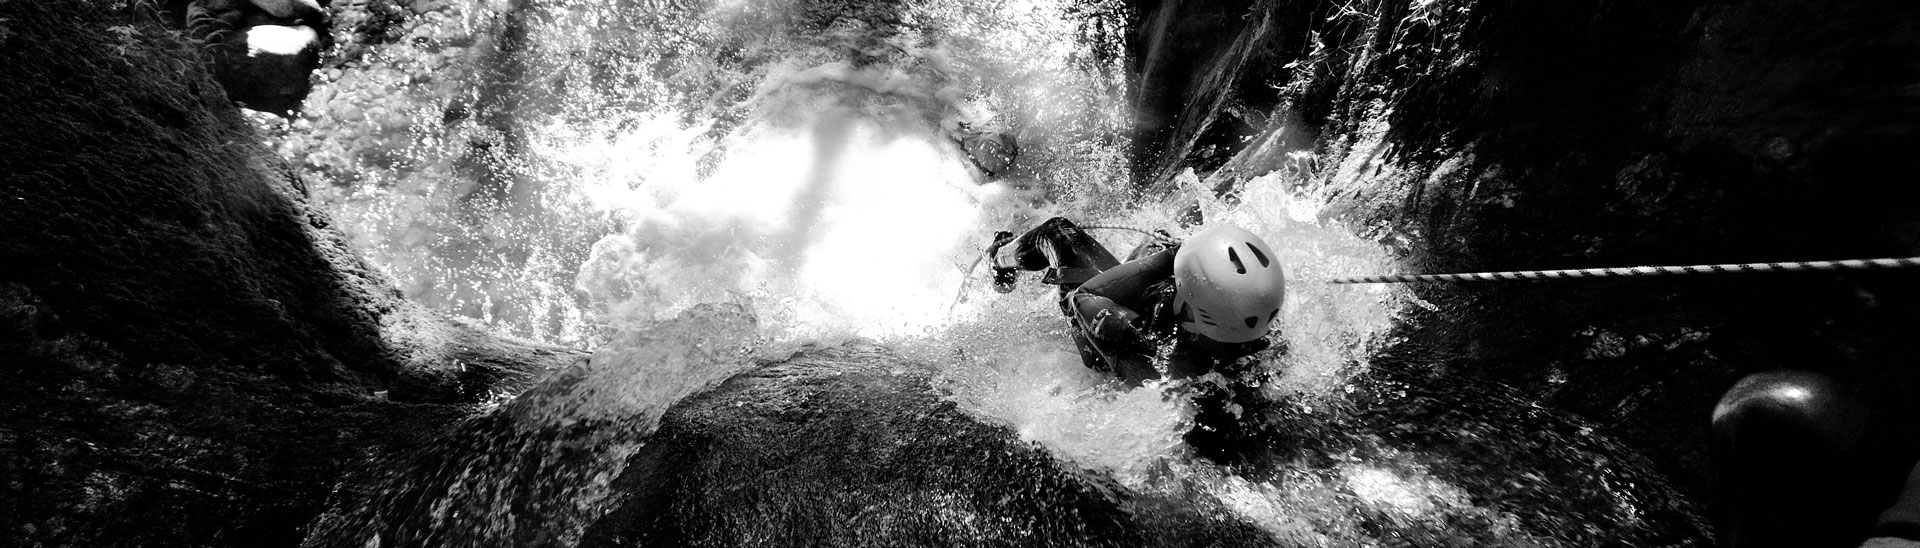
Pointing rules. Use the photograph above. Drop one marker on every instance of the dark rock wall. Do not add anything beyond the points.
(1186, 58)
(188, 353)
(1528, 135)
(136, 192)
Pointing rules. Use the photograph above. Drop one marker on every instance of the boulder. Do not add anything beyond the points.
(992, 151)
(850, 446)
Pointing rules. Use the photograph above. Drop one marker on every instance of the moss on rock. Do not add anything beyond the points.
(189, 353)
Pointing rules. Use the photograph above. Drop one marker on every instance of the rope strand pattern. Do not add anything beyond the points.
(1850, 264)
(1154, 235)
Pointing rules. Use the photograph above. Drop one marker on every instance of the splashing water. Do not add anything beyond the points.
(527, 163)
(1011, 362)
(839, 220)
(801, 159)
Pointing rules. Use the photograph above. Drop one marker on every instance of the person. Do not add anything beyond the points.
(1790, 458)
(1195, 306)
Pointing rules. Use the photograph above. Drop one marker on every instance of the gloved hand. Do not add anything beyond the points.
(1004, 277)
(1114, 331)
(1000, 238)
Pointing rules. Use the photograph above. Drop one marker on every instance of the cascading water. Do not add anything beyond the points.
(621, 167)
(735, 148)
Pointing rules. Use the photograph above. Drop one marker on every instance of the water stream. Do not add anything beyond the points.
(689, 189)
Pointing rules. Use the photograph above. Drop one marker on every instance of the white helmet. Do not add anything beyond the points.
(1228, 285)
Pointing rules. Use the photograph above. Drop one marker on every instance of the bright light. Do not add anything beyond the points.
(844, 220)
(885, 260)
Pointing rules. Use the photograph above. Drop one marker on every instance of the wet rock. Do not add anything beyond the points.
(1553, 473)
(838, 446)
(992, 151)
(188, 354)
(420, 7)
(847, 446)
(850, 445)
(1606, 344)
(1202, 74)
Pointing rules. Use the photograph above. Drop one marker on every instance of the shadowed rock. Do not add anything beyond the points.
(189, 352)
(992, 151)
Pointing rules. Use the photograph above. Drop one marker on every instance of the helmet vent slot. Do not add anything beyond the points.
(1238, 267)
(1252, 320)
(1275, 314)
(1258, 255)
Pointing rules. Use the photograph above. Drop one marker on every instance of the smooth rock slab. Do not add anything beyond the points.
(850, 447)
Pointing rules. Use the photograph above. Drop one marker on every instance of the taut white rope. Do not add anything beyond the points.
(1851, 264)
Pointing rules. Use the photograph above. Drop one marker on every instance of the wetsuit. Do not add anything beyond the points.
(1122, 314)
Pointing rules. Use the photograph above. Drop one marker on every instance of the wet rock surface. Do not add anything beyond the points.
(851, 447)
(1205, 76)
(189, 353)
(993, 152)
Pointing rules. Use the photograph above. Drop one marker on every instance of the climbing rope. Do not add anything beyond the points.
(1154, 235)
(1852, 264)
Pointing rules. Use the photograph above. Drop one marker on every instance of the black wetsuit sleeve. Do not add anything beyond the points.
(1130, 284)
(1108, 308)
